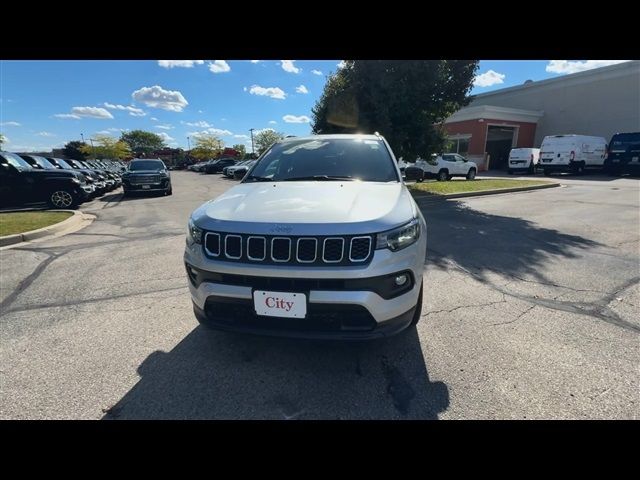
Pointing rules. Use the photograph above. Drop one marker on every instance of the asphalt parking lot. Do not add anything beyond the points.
(530, 311)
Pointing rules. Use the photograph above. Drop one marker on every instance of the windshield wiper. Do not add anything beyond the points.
(321, 178)
(257, 178)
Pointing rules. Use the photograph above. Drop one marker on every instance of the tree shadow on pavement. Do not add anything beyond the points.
(218, 375)
(481, 242)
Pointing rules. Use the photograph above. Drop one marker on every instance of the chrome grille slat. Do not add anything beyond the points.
(336, 250)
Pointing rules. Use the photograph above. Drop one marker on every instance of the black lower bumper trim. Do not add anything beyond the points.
(329, 322)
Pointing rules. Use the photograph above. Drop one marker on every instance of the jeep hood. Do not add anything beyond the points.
(308, 208)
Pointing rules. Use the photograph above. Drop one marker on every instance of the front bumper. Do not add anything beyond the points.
(341, 302)
(153, 187)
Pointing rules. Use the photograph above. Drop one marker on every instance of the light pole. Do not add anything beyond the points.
(253, 151)
(188, 144)
(82, 137)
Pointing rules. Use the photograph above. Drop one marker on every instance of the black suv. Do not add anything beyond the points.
(218, 165)
(623, 154)
(146, 175)
(20, 183)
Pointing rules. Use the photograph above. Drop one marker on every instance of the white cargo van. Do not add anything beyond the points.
(572, 153)
(523, 160)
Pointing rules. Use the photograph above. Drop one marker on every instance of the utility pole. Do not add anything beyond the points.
(253, 151)
(82, 137)
(188, 144)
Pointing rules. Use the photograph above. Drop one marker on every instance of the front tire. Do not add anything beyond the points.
(418, 311)
(169, 191)
(443, 175)
(471, 174)
(532, 168)
(578, 169)
(63, 199)
(510, 172)
(547, 172)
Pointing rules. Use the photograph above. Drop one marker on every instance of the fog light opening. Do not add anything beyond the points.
(401, 280)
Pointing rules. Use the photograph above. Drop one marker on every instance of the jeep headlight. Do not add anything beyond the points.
(400, 237)
(194, 234)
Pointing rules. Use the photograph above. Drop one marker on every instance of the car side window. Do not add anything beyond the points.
(449, 158)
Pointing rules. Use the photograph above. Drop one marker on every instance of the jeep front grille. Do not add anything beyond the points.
(294, 250)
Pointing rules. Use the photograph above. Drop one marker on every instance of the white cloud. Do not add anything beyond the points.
(255, 61)
(241, 136)
(158, 97)
(488, 79)
(46, 134)
(133, 111)
(154, 119)
(179, 63)
(166, 137)
(103, 132)
(219, 66)
(302, 89)
(294, 119)
(341, 64)
(164, 127)
(273, 122)
(201, 124)
(10, 124)
(114, 129)
(214, 131)
(86, 112)
(288, 66)
(273, 92)
(570, 66)
(316, 72)
(199, 111)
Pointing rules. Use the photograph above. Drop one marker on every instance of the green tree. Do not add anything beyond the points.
(107, 147)
(208, 145)
(241, 149)
(406, 101)
(266, 138)
(142, 143)
(74, 150)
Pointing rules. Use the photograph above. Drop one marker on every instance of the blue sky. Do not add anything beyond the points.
(44, 104)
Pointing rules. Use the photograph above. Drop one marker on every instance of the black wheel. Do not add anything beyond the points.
(547, 172)
(418, 311)
(471, 174)
(510, 172)
(443, 175)
(532, 168)
(418, 180)
(169, 191)
(62, 199)
(578, 168)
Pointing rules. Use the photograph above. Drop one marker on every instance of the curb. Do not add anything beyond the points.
(486, 192)
(72, 221)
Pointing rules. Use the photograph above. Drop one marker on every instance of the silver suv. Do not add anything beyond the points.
(321, 239)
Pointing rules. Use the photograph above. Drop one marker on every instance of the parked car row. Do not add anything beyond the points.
(557, 153)
(578, 153)
(229, 167)
(213, 165)
(29, 179)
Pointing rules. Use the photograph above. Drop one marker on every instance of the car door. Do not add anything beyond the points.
(462, 166)
(449, 161)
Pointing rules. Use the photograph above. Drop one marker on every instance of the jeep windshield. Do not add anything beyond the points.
(146, 165)
(326, 159)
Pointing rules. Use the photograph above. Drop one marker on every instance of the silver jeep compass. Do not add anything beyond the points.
(321, 239)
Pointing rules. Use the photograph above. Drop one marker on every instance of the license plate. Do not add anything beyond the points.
(280, 304)
(146, 187)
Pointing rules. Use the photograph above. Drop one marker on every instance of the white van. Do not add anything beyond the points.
(572, 153)
(523, 160)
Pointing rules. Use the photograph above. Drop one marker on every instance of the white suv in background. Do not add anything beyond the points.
(447, 165)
